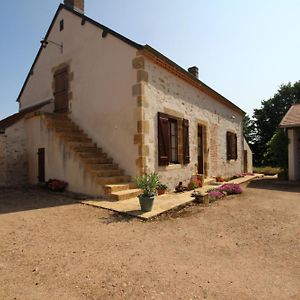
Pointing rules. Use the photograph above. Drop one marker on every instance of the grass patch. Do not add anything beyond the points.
(267, 170)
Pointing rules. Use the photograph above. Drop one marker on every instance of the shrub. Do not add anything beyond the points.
(148, 183)
(215, 195)
(266, 170)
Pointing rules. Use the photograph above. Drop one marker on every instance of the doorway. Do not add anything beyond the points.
(61, 90)
(200, 150)
(41, 165)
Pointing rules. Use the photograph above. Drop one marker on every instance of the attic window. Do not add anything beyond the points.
(61, 25)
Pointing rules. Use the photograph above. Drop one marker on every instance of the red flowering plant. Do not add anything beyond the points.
(56, 185)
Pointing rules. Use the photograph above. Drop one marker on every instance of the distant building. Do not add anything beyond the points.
(291, 122)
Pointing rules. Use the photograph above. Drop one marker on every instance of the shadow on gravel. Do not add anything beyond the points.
(275, 185)
(21, 199)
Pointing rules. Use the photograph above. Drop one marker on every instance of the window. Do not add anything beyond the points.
(168, 140)
(173, 141)
(61, 25)
(231, 139)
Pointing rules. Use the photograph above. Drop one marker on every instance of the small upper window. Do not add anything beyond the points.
(231, 139)
(61, 25)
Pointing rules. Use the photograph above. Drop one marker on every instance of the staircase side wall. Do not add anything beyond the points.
(60, 162)
(13, 156)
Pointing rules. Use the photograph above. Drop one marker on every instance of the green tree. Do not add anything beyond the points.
(277, 150)
(267, 118)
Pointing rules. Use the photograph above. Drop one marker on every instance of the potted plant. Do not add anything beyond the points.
(56, 185)
(161, 189)
(148, 183)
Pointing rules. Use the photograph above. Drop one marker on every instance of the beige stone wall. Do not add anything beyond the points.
(250, 157)
(60, 162)
(13, 156)
(101, 100)
(167, 93)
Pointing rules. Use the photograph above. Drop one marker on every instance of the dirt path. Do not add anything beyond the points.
(244, 247)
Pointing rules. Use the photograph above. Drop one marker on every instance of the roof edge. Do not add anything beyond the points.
(200, 83)
(84, 17)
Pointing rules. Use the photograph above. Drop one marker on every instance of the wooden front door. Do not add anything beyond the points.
(61, 90)
(41, 164)
(200, 151)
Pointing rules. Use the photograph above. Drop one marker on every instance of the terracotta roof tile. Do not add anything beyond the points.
(292, 117)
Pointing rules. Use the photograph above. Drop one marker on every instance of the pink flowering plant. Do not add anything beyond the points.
(230, 189)
(56, 185)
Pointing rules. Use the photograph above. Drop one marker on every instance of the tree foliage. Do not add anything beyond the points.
(277, 149)
(266, 119)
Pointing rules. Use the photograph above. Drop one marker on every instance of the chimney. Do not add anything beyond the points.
(194, 71)
(77, 5)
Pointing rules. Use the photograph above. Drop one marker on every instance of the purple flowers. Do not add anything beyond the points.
(230, 189)
(215, 195)
(222, 191)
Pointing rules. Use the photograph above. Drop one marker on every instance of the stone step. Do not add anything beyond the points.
(124, 195)
(97, 160)
(111, 188)
(62, 130)
(111, 180)
(78, 145)
(95, 167)
(71, 134)
(92, 154)
(107, 173)
(92, 149)
(77, 139)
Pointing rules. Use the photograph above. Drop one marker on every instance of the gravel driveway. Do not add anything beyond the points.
(242, 247)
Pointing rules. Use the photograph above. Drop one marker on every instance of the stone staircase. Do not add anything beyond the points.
(96, 163)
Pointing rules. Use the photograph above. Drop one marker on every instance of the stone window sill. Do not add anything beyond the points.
(171, 167)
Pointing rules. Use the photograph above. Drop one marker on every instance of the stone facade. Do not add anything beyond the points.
(13, 156)
(170, 94)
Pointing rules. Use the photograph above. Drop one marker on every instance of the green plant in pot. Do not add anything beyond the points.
(148, 183)
(161, 188)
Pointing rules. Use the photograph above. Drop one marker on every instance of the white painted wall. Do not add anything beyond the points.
(60, 162)
(165, 90)
(102, 104)
(294, 154)
(13, 156)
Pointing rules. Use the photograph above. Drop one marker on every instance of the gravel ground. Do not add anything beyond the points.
(242, 247)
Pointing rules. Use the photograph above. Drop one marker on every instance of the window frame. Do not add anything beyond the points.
(231, 146)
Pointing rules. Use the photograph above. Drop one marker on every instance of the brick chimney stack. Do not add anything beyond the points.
(77, 5)
(194, 71)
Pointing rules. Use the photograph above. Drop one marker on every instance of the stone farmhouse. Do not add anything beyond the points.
(291, 123)
(97, 109)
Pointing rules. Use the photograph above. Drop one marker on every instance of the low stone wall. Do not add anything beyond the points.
(13, 156)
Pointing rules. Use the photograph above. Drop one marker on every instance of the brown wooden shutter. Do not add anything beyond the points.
(235, 147)
(185, 141)
(231, 139)
(228, 145)
(163, 139)
(61, 90)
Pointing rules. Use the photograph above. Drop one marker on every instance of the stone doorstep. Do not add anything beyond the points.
(161, 204)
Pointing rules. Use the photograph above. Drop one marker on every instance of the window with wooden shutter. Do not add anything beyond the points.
(173, 141)
(185, 141)
(231, 140)
(163, 139)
